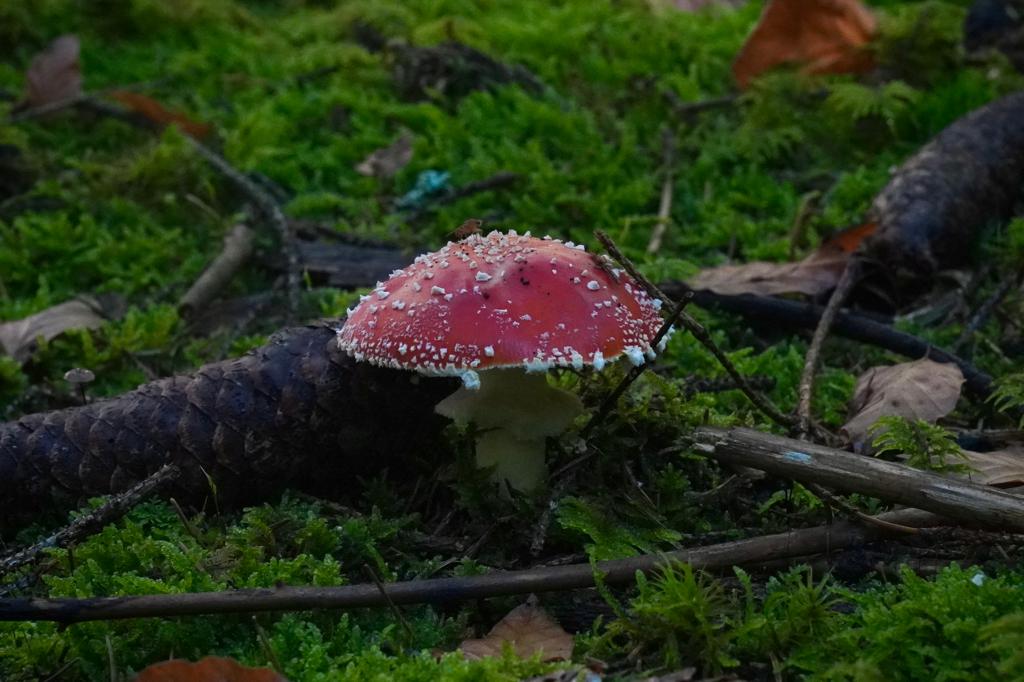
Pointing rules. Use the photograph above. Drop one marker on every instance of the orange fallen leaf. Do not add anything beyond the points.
(923, 389)
(528, 629)
(823, 36)
(850, 239)
(153, 111)
(209, 669)
(55, 74)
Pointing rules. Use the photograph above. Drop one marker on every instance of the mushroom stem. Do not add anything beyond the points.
(515, 411)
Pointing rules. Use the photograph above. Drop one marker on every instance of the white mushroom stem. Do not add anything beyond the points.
(515, 411)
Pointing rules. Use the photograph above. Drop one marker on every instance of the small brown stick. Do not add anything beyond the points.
(272, 213)
(688, 109)
(955, 499)
(391, 604)
(720, 557)
(238, 246)
(699, 332)
(849, 278)
(985, 312)
(668, 143)
(854, 513)
(803, 214)
(87, 524)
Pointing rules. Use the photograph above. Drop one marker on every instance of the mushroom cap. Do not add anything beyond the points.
(503, 300)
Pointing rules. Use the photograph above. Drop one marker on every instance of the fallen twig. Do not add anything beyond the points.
(828, 316)
(89, 523)
(613, 398)
(985, 312)
(272, 213)
(753, 551)
(238, 246)
(499, 180)
(782, 313)
(698, 331)
(266, 204)
(668, 143)
(688, 109)
(808, 463)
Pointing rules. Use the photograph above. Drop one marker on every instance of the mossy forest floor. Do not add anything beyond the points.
(89, 205)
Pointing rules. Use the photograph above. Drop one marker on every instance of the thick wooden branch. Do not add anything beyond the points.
(751, 552)
(808, 463)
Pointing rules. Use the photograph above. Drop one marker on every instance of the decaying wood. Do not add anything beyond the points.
(295, 412)
(808, 463)
(935, 204)
(347, 266)
(720, 557)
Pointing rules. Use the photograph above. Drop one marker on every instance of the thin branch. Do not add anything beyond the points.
(89, 523)
(699, 332)
(686, 110)
(783, 313)
(238, 246)
(797, 460)
(271, 212)
(613, 398)
(668, 143)
(720, 557)
(846, 282)
(985, 312)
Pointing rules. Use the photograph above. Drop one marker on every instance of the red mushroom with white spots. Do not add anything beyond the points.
(498, 311)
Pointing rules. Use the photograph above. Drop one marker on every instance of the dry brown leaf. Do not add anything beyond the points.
(153, 111)
(814, 275)
(528, 629)
(209, 669)
(18, 337)
(824, 36)
(923, 389)
(55, 74)
(999, 468)
(386, 161)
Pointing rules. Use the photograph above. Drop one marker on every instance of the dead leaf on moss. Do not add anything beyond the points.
(55, 74)
(923, 389)
(209, 669)
(814, 275)
(999, 468)
(18, 337)
(153, 111)
(387, 161)
(822, 36)
(528, 629)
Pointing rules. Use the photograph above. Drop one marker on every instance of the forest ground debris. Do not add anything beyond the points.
(297, 102)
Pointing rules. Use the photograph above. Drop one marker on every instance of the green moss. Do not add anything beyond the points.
(295, 102)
